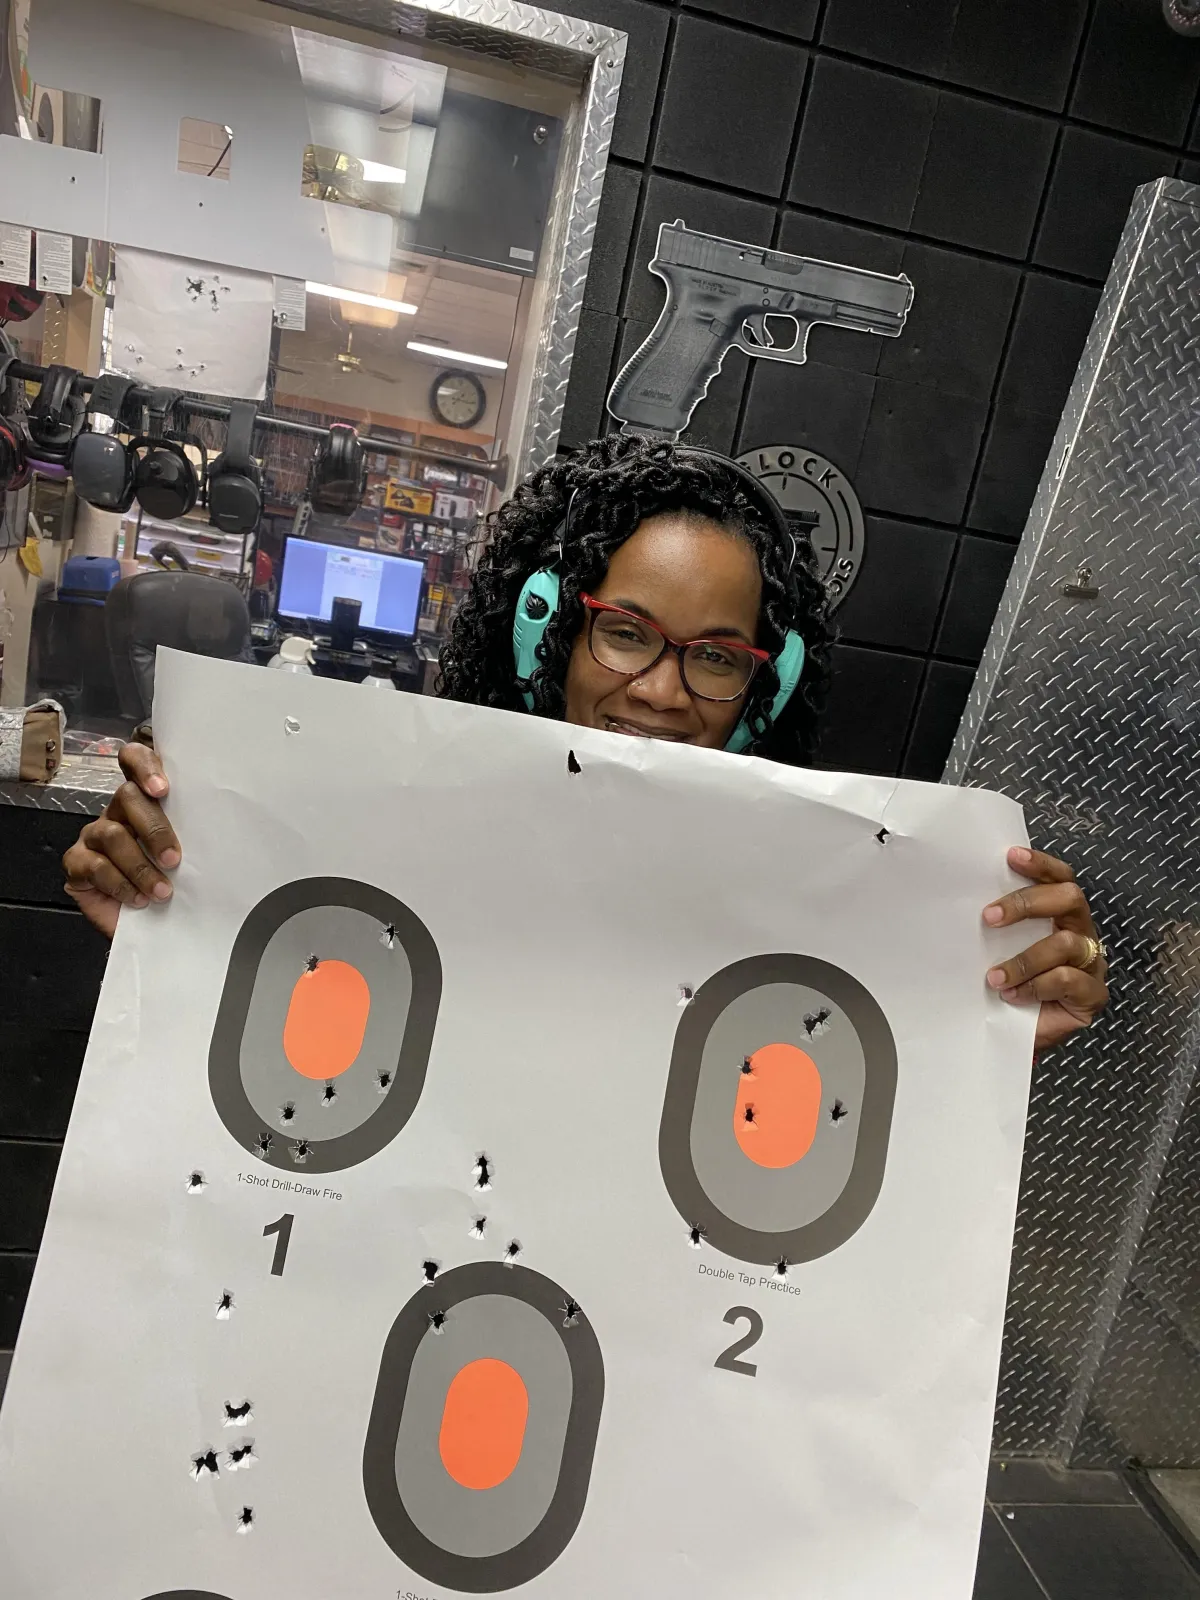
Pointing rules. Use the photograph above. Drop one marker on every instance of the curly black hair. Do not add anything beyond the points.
(617, 482)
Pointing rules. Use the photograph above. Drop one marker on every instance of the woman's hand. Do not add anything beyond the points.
(1064, 973)
(116, 859)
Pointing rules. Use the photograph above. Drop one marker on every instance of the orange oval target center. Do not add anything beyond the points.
(326, 1019)
(778, 1106)
(483, 1423)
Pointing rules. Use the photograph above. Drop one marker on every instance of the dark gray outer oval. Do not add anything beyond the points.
(506, 1569)
(851, 1205)
(407, 1054)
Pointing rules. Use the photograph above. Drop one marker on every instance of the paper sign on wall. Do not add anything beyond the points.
(592, 1172)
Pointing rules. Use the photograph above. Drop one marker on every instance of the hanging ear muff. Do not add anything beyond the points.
(789, 664)
(165, 481)
(235, 484)
(536, 605)
(102, 466)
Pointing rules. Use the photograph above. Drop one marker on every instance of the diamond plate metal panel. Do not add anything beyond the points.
(564, 47)
(1087, 710)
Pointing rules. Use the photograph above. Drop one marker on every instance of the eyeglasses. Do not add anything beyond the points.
(712, 669)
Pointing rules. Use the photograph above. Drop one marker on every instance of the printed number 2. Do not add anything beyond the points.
(283, 1227)
(728, 1359)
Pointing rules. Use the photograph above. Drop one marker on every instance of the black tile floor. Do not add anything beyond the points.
(1050, 1534)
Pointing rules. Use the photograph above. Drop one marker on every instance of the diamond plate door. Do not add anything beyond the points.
(1086, 708)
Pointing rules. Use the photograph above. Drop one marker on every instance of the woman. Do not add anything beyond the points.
(653, 591)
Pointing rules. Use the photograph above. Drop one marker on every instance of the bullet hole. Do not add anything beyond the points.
(570, 1314)
(437, 1321)
(430, 1270)
(479, 1228)
(388, 936)
(511, 1251)
(839, 1111)
(242, 1456)
(573, 766)
(781, 1267)
(205, 1465)
(817, 1022)
(328, 1095)
(245, 1519)
(746, 1069)
(225, 1305)
(287, 1113)
(234, 1414)
(196, 1183)
(300, 1151)
(312, 963)
(749, 1118)
(290, 725)
(686, 995)
(383, 1081)
(882, 836)
(696, 1235)
(483, 1172)
(262, 1145)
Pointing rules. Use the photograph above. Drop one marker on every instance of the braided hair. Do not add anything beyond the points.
(617, 482)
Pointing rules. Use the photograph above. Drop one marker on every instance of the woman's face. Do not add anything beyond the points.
(694, 580)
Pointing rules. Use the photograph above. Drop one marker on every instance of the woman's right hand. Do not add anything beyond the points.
(116, 860)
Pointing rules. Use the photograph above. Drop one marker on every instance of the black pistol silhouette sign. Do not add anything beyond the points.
(722, 295)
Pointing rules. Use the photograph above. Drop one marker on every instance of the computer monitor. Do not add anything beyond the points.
(315, 575)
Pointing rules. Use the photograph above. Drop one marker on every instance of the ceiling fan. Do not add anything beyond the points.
(347, 365)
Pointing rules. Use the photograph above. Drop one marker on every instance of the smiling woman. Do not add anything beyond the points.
(653, 591)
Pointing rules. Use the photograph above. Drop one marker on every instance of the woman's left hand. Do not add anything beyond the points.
(1063, 973)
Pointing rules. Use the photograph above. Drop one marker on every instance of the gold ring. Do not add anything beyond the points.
(1095, 951)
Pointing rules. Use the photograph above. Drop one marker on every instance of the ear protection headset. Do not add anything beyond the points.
(335, 483)
(539, 598)
(56, 417)
(102, 465)
(234, 486)
(14, 469)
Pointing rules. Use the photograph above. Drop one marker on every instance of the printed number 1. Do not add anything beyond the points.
(728, 1359)
(283, 1227)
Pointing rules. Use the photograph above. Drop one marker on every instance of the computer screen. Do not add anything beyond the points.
(315, 575)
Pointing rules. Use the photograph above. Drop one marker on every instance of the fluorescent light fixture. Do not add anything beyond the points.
(465, 356)
(377, 172)
(361, 299)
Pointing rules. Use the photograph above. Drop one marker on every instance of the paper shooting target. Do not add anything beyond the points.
(324, 1028)
(186, 1594)
(479, 1447)
(778, 1109)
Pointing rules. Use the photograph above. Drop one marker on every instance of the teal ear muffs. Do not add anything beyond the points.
(538, 601)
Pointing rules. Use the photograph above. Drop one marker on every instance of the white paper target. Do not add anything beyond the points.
(545, 1312)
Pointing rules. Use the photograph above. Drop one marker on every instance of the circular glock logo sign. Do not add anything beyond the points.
(778, 1110)
(479, 1448)
(807, 486)
(322, 1037)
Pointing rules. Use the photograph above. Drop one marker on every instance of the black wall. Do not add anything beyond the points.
(987, 148)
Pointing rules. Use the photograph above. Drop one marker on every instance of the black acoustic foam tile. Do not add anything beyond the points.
(985, 169)
(976, 584)
(1136, 75)
(16, 1274)
(647, 27)
(796, 17)
(729, 106)
(26, 1180)
(706, 211)
(955, 330)
(1051, 329)
(920, 450)
(820, 408)
(914, 34)
(870, 704)
(31, 858)
(611, 240)
(1018, 443)
(940, 711)
(583, 412)
(1022, 50)
(37, 1085)
(51, 965)
(895, 598)
(862, 143)
(850, 246)
(1091, 191)
(1100, 1553)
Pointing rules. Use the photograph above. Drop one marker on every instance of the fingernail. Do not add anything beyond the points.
(1022, 857)
(1008, 994)
(994, 914)
(139, 900)
(997, 977)
(169, 858)
(162, 891)
(156, 785)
